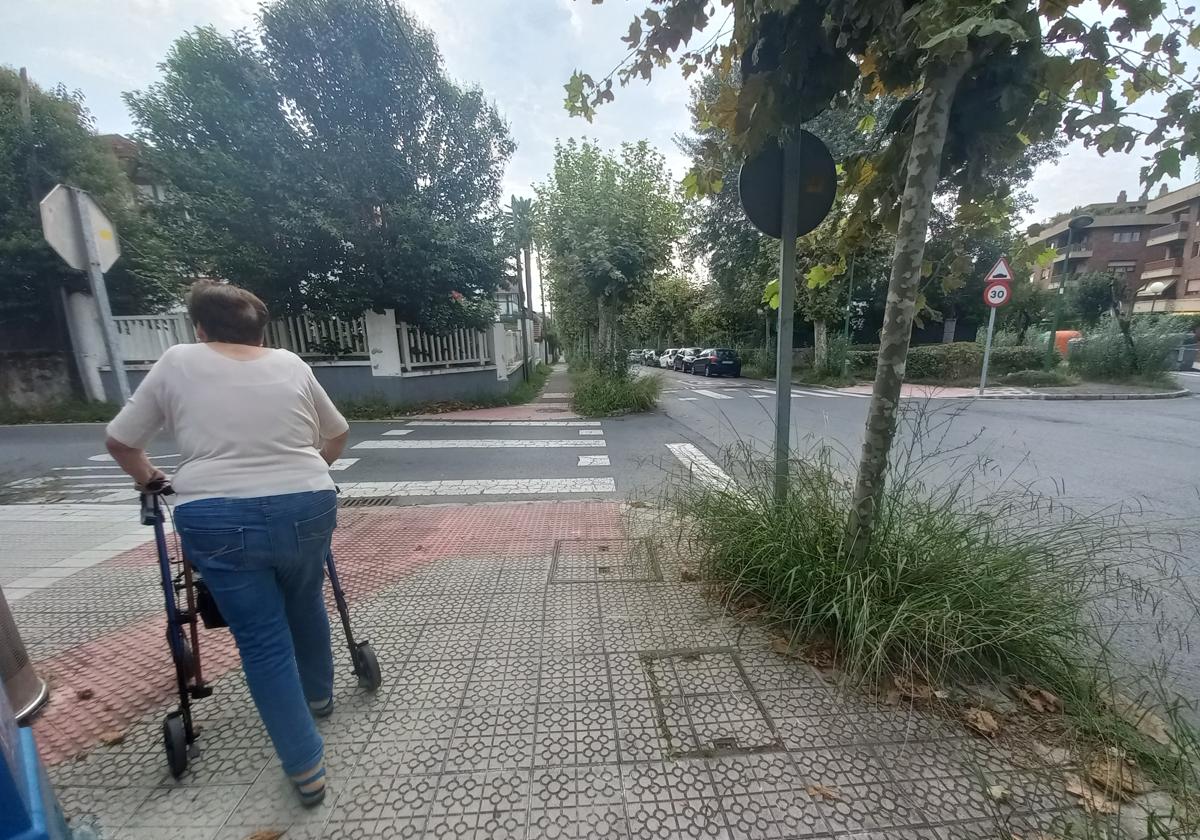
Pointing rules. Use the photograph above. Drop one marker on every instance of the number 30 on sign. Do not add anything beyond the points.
(997, 294)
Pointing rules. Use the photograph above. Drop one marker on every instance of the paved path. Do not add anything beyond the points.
(545, 676)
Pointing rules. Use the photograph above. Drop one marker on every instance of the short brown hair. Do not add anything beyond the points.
(227, 312)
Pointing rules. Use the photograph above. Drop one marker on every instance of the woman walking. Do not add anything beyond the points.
(256, 506)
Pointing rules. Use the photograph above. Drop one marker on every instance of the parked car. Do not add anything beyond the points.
(717, 361)
(634, 356)
(683, 359)
(667, 359)
(650, 357)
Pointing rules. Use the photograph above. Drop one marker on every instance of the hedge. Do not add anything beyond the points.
(953, 362)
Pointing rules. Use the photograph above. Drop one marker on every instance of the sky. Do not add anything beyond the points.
(520, 52)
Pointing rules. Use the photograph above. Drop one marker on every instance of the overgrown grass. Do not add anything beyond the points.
(381, 408)
(1105, 355)
(71, 411)
(599, 394)
(965, 580)
(1039, 378)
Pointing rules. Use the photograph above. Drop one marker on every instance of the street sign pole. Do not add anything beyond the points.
(987, 350)
(787, 303)
(100, 293)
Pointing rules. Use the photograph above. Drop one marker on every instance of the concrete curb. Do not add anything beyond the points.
(1159, 395)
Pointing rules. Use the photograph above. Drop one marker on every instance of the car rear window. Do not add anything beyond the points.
(726, 354)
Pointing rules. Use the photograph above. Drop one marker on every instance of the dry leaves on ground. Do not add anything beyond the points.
(84, 694)
(819, 654)
(821, 792)
(1090, 799)
(265, 834)
(1143, 720)
(1039, 699)
(981, 721)
(1115, 776)
(111, 737)
(999, 793)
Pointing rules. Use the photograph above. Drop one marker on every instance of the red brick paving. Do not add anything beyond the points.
(128, 670)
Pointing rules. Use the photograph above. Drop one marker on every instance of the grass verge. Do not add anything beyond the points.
(1039, 378)
(381, 408)
(965, 581)
(71, 411)
(599, 394)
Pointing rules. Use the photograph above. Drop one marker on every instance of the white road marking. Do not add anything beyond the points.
(556, 395)
(398, 432)
(113, 476)
(764, 391)
(701, 466)
(800, 392)
(104, 456)
(593, 461)
(591, 431)
(712, 394)
(475, 444)
(479, 487)
(343, 464)
(97, 467)
(466, 423)
(761, 396)
(687, 399)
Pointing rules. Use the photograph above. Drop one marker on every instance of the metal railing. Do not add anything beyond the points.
(1175, 230)
(421, 350)
(1161, 268)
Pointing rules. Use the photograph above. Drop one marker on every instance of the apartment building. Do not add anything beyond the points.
(1169, 280)
(1114, 242)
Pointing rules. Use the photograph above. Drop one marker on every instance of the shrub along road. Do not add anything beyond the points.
(1089, 455)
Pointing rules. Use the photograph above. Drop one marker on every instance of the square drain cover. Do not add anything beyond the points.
(604, 561)
(704, 704)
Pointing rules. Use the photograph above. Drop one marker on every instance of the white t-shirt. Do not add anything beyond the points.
(244, 428)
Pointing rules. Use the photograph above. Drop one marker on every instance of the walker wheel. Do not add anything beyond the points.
(175, 744)
(367, 667)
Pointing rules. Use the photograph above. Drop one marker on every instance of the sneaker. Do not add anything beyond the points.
(321, 708)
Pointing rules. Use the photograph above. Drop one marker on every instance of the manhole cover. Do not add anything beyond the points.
(704, 704)
(366, 501)
(604, 561)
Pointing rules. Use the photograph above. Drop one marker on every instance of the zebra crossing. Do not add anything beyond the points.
(693, 393)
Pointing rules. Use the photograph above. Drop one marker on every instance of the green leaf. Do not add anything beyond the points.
(1153, 43)
(1132, 94)
(1023, 137)
(1193, 37)
(1045, 258)
(771, 294)
(1010, 29)
(867, 124)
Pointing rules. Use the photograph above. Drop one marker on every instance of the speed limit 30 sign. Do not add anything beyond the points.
(997, 293)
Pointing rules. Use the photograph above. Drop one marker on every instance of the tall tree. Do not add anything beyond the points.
(60, 146)
(608, 222)
(329, 162)
(521, 227)
(981, 81)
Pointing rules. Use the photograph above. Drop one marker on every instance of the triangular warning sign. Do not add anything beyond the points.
(1000, 271)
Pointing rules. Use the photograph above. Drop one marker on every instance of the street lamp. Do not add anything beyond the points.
(1078, 223)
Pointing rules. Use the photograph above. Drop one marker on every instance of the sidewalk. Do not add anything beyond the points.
(551, 404)
(547, 672)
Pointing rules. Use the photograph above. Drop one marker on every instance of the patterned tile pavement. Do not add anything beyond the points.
(546, 676)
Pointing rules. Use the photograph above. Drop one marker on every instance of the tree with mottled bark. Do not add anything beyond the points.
(980, 82)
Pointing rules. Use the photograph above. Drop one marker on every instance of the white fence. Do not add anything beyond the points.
(420, 350)
(144, 338)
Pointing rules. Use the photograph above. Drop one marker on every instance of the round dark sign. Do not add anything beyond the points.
(760, 184)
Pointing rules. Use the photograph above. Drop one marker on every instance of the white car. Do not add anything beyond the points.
(668, 358)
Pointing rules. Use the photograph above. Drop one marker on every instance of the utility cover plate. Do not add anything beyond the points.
(705, 706)
(604, 561)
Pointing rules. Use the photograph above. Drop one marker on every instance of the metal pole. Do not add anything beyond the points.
(987, 351)
(787, 303)
(846, 326)
(766, 333)
(100, 293)
(1062, 287)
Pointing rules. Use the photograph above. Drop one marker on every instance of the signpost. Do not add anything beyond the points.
(79, 232)
(997, 291)
(787, 189)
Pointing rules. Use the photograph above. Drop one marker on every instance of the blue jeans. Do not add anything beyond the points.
(263, 559)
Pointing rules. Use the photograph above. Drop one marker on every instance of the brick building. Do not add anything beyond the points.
(1114, 242)
(1173, 254)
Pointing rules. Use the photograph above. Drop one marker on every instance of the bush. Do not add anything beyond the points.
(70, 411)
(1035, 378)
(836, 352)
(955, 362)
(758, 364)
(602, 395)
(1104, 354)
